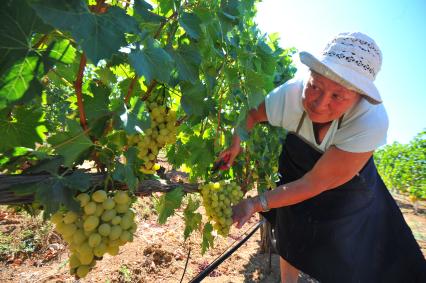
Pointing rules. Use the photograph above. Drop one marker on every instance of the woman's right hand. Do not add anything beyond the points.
(229, 155)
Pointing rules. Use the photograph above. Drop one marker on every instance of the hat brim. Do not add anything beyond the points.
(343, 76)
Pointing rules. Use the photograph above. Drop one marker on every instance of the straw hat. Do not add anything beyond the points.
(351, 59)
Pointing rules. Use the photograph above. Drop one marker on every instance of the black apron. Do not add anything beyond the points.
(353, 233)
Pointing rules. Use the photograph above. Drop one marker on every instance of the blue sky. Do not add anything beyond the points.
(398, 27)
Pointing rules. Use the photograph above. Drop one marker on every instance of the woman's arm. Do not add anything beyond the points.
(254, 116)
(333, 169)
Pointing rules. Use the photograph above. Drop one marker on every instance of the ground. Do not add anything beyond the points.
(157, 254)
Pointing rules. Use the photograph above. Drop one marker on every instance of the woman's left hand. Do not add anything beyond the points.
(242, 212)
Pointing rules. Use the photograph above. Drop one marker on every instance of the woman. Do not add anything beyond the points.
(334, 218)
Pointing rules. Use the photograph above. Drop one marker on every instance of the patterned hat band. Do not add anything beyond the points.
(365, 55)
(351, 59)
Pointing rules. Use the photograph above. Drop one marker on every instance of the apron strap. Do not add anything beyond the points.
(300, 122)
(340, 121)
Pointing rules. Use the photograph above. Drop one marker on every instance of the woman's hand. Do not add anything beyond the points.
(243, 211)
(229, 155)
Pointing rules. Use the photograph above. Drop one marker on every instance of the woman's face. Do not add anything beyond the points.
(326, 100)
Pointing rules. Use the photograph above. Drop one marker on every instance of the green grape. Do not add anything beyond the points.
(70, 217)
(91, 223)
(74, 262)
(100, 250)
(218, 199)
(122, 208)
(87, 233)
(83, 198)
(86, 258)
(108, 215)
(108, 204)
(121, 197)
(126, 222)
(104, 229)
(82, 271)
(130, 213)
(69, 230)
(115, 242)
(126, 236)
(97, 229)
(133, 228)
(79, 237)
(60, 227)
(84, 248)
(115, 232)
(56, 217)
(90, 208)
(99, 210)
(99, 196)
(112, 250)
(94, 240)
(116, 220)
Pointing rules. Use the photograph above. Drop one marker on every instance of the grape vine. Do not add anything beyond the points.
(117, 83)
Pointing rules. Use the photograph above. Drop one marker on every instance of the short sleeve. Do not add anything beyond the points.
(364, 131)
(274, 105)
(283, 104)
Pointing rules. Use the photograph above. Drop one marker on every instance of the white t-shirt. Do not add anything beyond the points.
(363, 128)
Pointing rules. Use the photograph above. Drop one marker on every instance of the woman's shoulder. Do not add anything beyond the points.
(293, 86)
(364, 128)
(366, 115)
(284, 103)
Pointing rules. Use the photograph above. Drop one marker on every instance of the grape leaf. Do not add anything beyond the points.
(152, 61)
(143, 8)
(78, 180)
(70, 144)
(264, 52)
(242, 125)
(49, 165)
(191, 24)
(208, 239)
(15, 83)
(125, 85)
(192, 219)
(100, 35)
(187, 60)
(106, 76)
(125, 172)
(63, 51)
(133, 121)
(18, 22)
(194, 99)
(168, 203)
(256, 84)
(21, 130)
(200, 153)
(97, 111)
(56, 191)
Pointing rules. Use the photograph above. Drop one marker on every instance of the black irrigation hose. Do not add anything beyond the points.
(212, 266)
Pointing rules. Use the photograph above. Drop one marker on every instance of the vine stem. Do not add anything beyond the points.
(157, 33)
(186, 264)
(100, 7)
(41, 41)
(149, 90)
(218, 130)
(78, 90)
(130, 90)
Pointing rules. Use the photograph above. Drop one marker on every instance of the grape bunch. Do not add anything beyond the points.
(162, 131)
(218, 199)
(105, 224)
